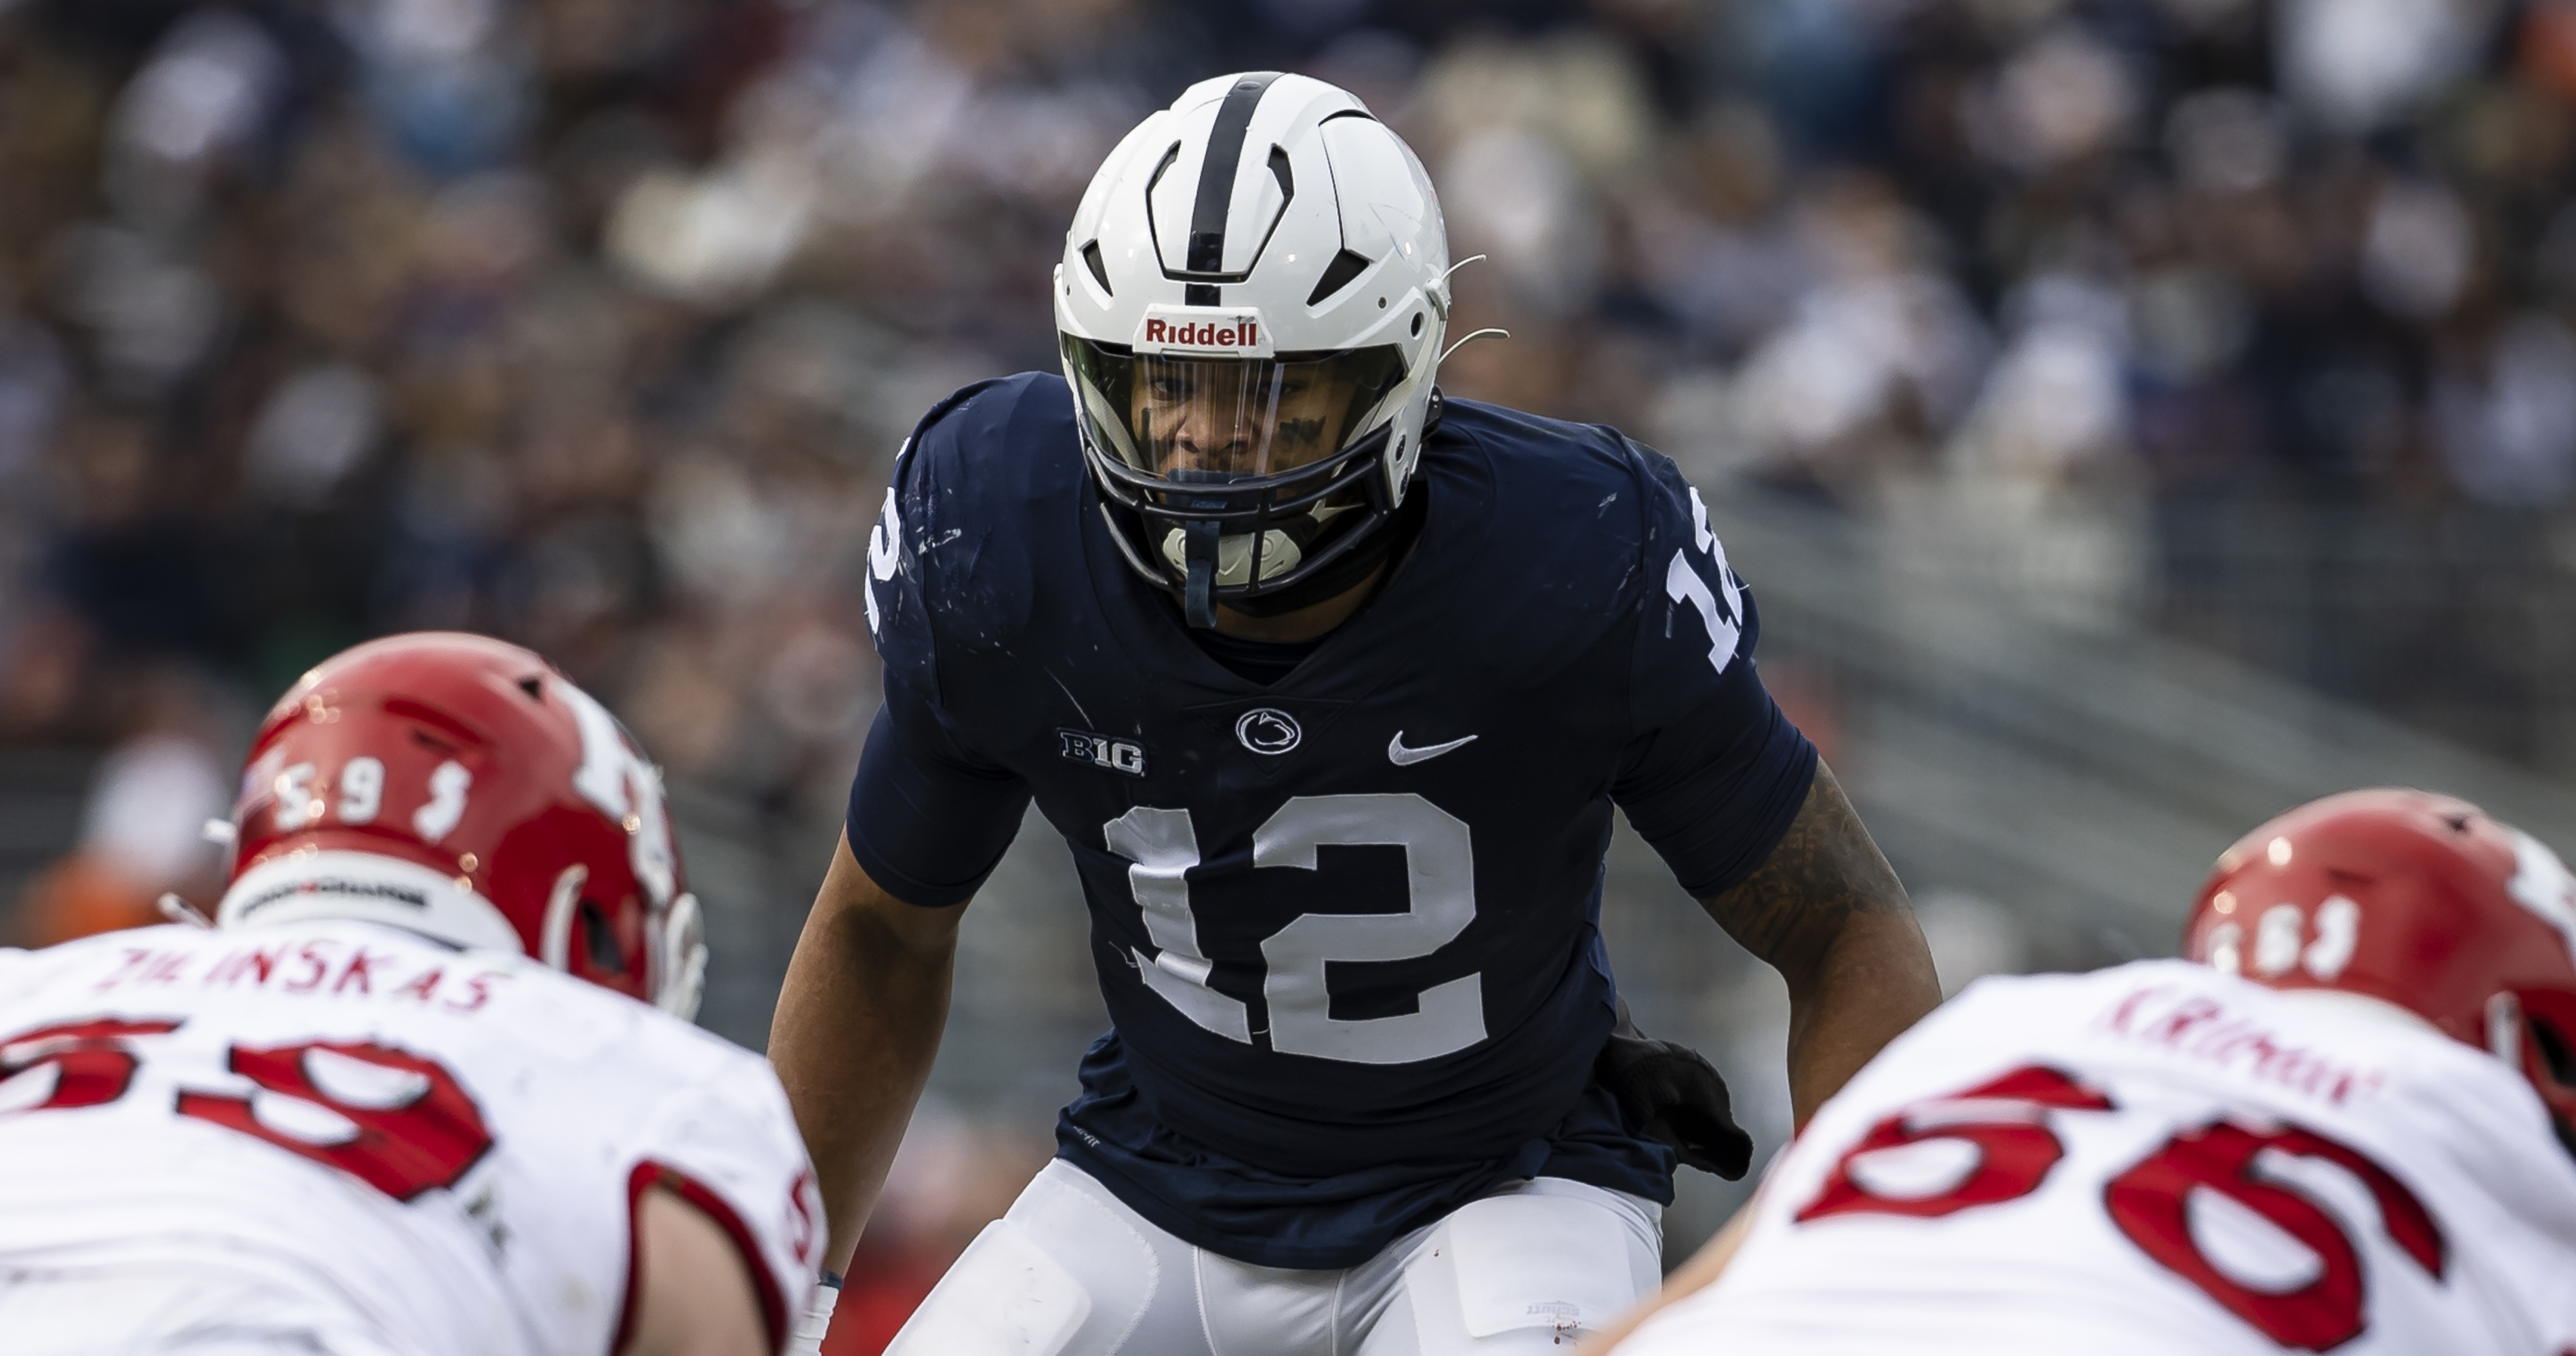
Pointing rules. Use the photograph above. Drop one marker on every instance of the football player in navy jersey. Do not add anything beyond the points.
(1331, 688)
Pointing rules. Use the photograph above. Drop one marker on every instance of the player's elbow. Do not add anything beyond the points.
(1882, 955)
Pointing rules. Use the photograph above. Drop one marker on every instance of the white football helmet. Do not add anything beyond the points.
(1251, 304)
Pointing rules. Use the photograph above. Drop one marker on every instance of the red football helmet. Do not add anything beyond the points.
(462, 788)
(2418, 899)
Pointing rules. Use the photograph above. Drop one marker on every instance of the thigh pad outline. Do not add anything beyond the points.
(1542, 1263)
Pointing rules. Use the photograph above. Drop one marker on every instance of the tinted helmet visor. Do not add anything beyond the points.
(1176, 417)
(1241, 477)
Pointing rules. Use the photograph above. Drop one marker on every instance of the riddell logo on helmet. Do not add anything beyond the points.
(1195, 329)
(1204, 334)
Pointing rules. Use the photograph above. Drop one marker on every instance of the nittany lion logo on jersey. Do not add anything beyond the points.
(1267, 731)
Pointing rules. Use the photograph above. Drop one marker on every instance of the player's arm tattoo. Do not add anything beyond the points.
(1823, 870)
(1827, 911)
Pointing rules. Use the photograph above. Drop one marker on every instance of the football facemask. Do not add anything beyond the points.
(1240, 474)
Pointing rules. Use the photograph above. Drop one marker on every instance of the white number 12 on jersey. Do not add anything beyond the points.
(1440, 877)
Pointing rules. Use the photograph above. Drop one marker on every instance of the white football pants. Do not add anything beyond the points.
(1071, 1271)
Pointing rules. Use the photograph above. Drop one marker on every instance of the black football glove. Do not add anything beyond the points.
(1672, 1095)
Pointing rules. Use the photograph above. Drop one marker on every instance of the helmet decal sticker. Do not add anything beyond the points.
(2276, 939)
(296, 806)
(2338, 934)
(1217, 172)
(447, 787)
(626, 788)
(2541, 883)
(1197, 330)
(362, 789)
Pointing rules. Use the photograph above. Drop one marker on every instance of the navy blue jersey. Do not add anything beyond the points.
(1346, 923)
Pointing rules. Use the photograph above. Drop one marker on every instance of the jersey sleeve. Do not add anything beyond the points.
(929, 815)
(728, 1145)
(1714, 771)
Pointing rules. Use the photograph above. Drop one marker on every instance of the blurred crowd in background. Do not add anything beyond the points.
(595, 324)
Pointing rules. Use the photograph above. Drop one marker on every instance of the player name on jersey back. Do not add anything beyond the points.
(2158, 1158)
(436, 1150)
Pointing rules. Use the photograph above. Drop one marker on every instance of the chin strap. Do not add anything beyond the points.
(1198, 597)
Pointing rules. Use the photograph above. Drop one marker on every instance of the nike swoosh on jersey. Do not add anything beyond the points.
(1401, 756)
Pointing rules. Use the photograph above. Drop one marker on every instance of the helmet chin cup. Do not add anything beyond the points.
(1262, 544)
(1277, 548)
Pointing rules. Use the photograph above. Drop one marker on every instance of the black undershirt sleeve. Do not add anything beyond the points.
(1714, 791)
(928, 821)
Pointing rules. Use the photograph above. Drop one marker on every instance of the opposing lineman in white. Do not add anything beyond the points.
(412, 1096)
(2353, 1136)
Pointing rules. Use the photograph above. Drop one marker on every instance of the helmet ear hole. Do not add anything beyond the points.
(599, 941)
(2551, 1045)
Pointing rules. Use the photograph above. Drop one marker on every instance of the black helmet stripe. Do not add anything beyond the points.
(1217, 171)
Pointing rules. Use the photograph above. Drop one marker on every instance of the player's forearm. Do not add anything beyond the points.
(856, 1029)
(1827, 911)
(1873, 982)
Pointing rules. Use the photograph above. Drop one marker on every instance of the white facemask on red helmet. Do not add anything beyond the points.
(462, 788)
(2416, 899)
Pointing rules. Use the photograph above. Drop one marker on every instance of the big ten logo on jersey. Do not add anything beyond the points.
(1117, 755)
(1721, 609)
(2286, 937)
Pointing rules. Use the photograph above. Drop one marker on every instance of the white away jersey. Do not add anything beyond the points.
(343, 1131)
(2157, 1158)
